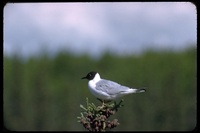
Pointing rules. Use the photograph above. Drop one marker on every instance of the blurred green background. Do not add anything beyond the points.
(44, 94)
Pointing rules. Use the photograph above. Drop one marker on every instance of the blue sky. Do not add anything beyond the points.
(122, 28)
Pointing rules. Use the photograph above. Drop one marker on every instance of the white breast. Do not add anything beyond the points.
(95, 92)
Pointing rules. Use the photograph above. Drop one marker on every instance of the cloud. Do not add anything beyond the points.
(93, 27)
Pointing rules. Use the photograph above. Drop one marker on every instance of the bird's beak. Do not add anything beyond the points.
(83, 77)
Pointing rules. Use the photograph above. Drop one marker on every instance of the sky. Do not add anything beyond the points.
(122, 28)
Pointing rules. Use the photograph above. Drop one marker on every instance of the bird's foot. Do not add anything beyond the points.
(104, 102)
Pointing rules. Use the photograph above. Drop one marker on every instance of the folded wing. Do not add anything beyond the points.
(110, 87)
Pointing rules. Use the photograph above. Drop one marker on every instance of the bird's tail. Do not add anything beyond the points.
(137, 90)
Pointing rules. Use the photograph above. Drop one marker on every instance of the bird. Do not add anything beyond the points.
(107, 90)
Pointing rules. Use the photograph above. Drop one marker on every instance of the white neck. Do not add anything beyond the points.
(96, 78)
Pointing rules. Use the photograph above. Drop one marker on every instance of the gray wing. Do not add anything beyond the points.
(110, 87)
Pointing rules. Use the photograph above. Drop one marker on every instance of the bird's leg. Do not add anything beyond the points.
(107, 101)
(99, 99)
(102, 101)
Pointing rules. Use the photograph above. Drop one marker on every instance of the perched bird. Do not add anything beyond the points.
(107, 90)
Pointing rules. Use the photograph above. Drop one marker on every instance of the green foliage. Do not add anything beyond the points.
(44, 94)
(96, 118)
